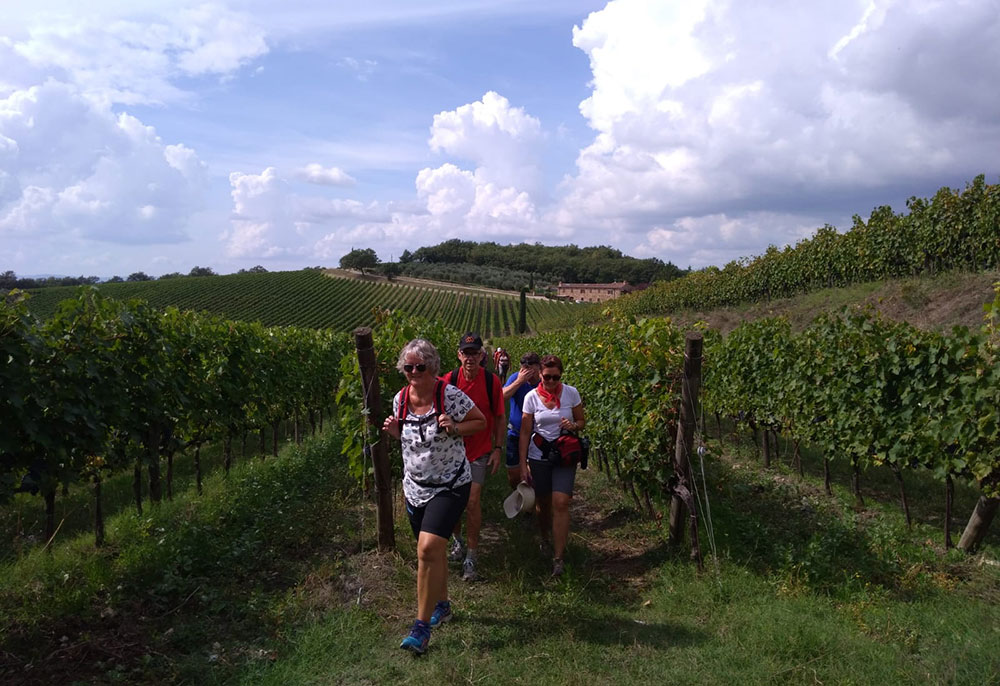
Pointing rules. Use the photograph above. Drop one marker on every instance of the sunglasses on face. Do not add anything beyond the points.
(410, 367)
(551, 377)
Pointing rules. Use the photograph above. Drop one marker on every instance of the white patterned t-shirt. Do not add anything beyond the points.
(431, 457)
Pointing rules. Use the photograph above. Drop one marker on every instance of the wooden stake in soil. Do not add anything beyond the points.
(197, 466)
(859, 499)
(949, 498)
(685, 444)
(898, 473)
(979, 523)
(137, 485)
(380, 453)
(98, 513)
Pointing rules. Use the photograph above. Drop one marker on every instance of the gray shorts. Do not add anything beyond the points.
(479, 469)
(548, 478)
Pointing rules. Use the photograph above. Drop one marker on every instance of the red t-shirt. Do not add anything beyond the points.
(481, 443)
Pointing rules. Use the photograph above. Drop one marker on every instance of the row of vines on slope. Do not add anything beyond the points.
(868, 391)
(105, 385)
(857, 387)
(953, 230)
(309, 298)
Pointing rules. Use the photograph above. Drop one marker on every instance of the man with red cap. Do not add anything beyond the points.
(484, 449)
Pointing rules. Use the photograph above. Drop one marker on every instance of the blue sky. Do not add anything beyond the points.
(159, 135)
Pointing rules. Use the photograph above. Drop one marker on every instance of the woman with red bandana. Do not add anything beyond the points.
(550, 410)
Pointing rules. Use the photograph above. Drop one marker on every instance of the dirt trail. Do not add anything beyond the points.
(424, 283)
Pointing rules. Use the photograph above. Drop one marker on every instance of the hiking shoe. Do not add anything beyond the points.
(545, 548)
(469, 570)
(442, 613)
(557, 567)
(419, 636)
(457, 551)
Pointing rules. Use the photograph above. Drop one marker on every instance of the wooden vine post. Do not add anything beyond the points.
(380, 450)
(522, 316)
(683, 501)
(979, 522)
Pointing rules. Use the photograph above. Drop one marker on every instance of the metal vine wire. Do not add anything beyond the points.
(701, 493)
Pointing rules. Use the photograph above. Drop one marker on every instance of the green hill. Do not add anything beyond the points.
(309, 298)
(936, 302)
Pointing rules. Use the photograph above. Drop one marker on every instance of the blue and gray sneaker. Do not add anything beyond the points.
(442, 613)
(419, 636)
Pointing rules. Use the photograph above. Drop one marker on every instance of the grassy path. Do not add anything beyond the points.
(270, 578)
(806, 590)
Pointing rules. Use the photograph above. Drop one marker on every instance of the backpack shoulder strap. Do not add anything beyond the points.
(439, 396)
(401, 413)
(489, 389)
(453, 380)
(438, 399)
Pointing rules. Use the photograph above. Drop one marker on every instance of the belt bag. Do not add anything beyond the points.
(565, 451)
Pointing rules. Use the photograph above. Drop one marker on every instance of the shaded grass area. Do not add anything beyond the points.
(879, 487)
(184, 593)
(22, 521)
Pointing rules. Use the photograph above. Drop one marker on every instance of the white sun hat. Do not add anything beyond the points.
(522, 499)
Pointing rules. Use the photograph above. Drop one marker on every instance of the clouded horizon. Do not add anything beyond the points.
(230, 134)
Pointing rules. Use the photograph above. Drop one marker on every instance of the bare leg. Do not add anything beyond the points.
(432, 573)
(560, 522)
(513, 477)
(544, 503)
(473, 516)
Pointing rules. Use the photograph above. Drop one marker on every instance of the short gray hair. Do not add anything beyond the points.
(423, 349)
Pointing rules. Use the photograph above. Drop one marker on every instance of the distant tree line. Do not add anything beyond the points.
(568, 263)
(9, 280)
(480, 275)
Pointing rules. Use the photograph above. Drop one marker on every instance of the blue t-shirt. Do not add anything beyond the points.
(516, 404)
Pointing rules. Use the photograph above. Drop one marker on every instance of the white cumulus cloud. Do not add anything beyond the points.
(71, 166)
(269, 220)
(504, 142)
(708, 110)
(324, 176)
(132, 61)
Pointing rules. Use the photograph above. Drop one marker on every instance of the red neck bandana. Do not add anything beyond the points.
(547, 397)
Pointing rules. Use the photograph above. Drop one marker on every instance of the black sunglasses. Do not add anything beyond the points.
(551, 377)
(411, 367)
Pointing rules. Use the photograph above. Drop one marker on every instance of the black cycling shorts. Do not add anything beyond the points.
(441, 513)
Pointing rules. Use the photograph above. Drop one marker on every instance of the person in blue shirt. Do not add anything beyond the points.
(517, 386)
